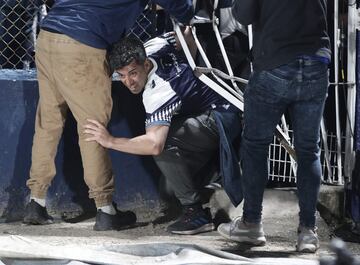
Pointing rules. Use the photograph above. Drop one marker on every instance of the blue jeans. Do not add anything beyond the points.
(299, 87)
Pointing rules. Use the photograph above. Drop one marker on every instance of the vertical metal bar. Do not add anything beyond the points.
(194, 4)
(326, 152)
(333, 153)
(273, 158)
(336, 75)
(278, 161)
(351, 91)
(250, 34)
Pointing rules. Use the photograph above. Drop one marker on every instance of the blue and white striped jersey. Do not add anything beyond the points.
(172, 88)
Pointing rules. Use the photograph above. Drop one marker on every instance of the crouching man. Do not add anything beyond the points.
(187, 125)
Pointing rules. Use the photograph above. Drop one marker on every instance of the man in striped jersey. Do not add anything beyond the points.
(187, 125)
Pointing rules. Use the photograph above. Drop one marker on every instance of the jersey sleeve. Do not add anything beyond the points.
(161, 102)
(161, 46)
(164, 114)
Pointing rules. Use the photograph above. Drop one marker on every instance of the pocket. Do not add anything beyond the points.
(267, 88)
(319, 87)
(207, 120)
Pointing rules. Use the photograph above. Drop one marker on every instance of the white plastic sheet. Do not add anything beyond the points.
(22, 250)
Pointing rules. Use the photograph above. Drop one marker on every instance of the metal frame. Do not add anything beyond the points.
(233, 95)
(336, 87)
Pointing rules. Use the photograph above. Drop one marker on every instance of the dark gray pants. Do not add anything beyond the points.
(191, 146)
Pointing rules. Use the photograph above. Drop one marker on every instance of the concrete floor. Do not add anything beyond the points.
(279, 219)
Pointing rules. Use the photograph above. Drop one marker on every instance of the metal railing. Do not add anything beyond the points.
(280, 164)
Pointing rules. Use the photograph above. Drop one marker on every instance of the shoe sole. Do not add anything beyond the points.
(259, 241)
(31, 221)
(202, 229)
(116, 228)
(214, 186)
(307, 248)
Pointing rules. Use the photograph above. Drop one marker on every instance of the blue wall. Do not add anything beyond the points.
(136, 177)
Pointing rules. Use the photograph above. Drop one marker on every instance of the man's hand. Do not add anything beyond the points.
(98, 133)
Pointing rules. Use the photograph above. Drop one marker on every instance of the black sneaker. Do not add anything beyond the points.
(193, 221)
(120, 220)
(35, 214)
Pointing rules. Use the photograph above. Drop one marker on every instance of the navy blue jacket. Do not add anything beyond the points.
(100, 23)
(230, 128)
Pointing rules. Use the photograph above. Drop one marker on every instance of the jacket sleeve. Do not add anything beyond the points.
(246, 11)
(182, 10)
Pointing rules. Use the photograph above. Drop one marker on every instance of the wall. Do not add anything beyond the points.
(136, 178)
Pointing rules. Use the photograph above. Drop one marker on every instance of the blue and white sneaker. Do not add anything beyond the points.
(194, 220)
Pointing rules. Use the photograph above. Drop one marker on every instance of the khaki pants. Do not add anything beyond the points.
(71, 76)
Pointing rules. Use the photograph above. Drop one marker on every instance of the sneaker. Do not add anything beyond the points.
(215, 183)
(240, 231)
(120, 220)
(308, 241)
(193, 221)
(35, 214)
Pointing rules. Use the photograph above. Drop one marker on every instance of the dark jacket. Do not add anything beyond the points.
(229, 126)
(100, 23)
(284, 29)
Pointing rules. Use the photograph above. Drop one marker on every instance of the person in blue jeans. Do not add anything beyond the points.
(290, 58)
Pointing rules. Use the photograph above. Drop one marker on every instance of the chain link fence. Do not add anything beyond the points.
(19, 26)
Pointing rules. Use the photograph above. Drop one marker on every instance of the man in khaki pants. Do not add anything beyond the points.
(73, 74)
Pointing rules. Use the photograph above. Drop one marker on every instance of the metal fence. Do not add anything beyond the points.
(20, 24)
(18, 30)
(282, 168)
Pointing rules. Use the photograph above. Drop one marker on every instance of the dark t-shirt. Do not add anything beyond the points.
(284, 30)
